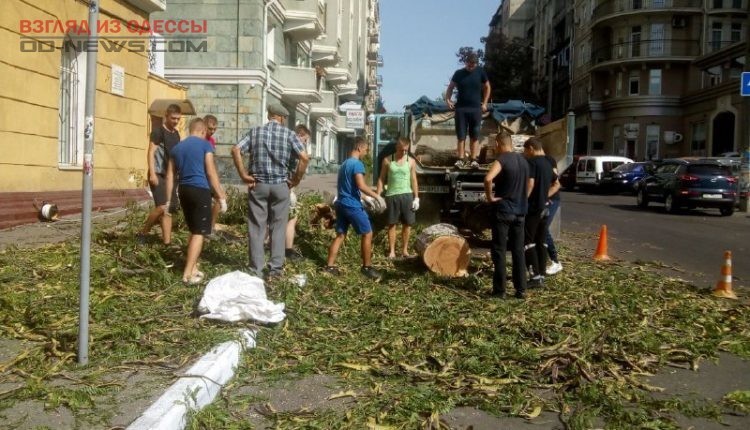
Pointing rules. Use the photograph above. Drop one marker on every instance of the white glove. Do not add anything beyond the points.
(415, 204)
(368, 201)
(223, 206)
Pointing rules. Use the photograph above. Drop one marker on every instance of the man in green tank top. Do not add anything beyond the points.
(401, 195)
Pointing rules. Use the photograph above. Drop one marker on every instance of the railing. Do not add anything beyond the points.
(718, 45)
(658, 48)
(612, 7)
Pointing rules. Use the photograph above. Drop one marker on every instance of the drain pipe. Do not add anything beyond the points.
(267, 82)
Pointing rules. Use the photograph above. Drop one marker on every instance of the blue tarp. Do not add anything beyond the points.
(509, 110)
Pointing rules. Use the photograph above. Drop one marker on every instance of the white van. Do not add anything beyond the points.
(590, 169)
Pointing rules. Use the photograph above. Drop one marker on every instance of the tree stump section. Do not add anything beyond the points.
(443, 250)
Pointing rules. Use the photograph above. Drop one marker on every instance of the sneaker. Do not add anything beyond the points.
(553, 268)
(497, 294)
(535, 282)
(474, 164)
(371, 273)
(460, 163)
(332, 270)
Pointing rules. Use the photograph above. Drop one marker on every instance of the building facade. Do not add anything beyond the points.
(513, 18)
(312, 56)
(657, 78)
(42, 100)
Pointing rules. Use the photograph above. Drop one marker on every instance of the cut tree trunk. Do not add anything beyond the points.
(443, 250)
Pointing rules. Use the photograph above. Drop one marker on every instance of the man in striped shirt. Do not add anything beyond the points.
(272, 148)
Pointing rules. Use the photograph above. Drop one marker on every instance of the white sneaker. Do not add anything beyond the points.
(460, 164)
(553, 268)
(474, 164)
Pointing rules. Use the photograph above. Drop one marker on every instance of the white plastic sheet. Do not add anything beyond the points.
(238, 296)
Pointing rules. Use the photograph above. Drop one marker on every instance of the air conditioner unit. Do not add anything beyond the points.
(671, 137)
(679, 22)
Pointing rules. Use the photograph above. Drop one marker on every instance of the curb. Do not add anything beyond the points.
(199, 387)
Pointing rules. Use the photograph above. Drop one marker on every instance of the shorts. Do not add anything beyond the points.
(196, 205)
(354, 216)
(293, 204)
(468, 118)
(159, 193)
(399, 209)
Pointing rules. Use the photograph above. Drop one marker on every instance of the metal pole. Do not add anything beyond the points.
(744, 144)
(550, 59)
(88, 181)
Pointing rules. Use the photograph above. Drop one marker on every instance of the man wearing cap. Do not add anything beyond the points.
(272, 148)
(473, 94)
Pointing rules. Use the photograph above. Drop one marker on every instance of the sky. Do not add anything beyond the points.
(419, 40)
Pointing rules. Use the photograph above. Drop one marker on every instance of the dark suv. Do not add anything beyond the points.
(689, 183)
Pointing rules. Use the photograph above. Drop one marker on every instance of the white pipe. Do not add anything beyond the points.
(267, 82)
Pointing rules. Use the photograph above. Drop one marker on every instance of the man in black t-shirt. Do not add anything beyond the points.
(473, 94)
(542, 184)
(509, 174)
(553, 206)
(161, 142)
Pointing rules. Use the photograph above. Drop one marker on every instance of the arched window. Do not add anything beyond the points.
(72, 100)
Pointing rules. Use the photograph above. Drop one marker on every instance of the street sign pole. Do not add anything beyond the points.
(88, 182)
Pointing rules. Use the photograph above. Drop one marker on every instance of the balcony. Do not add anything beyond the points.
(302, 19)
(338, 76)
(663, 50)
(728, 7)
(372, 50)
(377, 61)
(149, 5)
(324, 55)
(374, 33)
(339, 123)
(326, 107)
(350, 93)
(299, 83)
(610, 9)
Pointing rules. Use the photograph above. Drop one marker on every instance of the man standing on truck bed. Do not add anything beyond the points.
(473, 93)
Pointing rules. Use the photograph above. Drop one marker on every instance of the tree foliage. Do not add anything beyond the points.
(509, 66)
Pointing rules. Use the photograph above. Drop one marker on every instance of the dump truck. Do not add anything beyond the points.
(447, 193)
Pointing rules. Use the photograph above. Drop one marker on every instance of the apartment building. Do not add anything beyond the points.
(43, 65)
(657, 78)
(315, 57)
(512, 18)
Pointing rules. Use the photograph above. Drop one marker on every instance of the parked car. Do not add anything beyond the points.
(591, 169)
(624, 177)
(689, 183)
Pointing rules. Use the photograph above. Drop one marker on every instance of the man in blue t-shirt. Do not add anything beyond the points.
(473, 94)
(193, 161)
(349, 210)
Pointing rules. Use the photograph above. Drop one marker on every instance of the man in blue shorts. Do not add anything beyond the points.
(473, 94)
(349, 210)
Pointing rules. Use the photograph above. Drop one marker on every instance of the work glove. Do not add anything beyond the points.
(223, 206)
(415, 204)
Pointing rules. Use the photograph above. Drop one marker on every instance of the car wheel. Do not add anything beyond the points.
(727, 210)
(641, 198)
(669, 204)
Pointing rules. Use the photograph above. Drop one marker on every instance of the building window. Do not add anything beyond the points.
(654, 82)
(652, 142)
(656, 44)
(735, 33)
(635, 41)
(634, 87)
(72, 101)
(716, 31)
(718, 4)
(698, 141)
(737, 4)
(616, 141)
(713, 76)
(618, 85)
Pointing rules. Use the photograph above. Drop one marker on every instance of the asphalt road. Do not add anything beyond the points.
(692, 240)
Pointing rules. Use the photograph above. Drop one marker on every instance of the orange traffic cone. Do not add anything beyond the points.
(601, 248)
(724, 286)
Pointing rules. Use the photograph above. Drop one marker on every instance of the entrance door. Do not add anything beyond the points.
(630, 149)
(723, 134)
(581, 144)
